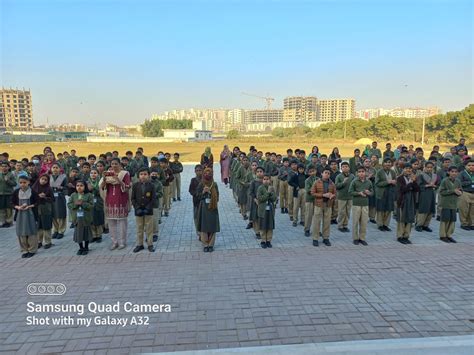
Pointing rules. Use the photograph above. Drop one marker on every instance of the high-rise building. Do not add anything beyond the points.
(235, 119)
(300, 108)
(16, 109)
(253, 116)
(336, 110)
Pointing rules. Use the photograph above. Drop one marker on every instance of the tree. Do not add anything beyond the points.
(154, 128)
(233, 134)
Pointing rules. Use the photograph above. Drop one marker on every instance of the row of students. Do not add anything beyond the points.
(317, 194)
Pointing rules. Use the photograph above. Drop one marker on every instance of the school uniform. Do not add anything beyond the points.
(243, 180)
(406, 206)
(45, 217)
(360, 207)
(426, 199)
(309, 203)
(354, 162)
(207, 219)
(7, 186)
(26, 221)
(372, 200)
(384, 196)
(344, 199)
(167, 190)
(98, 214)
(143, 196)
(58, 184)
(283, 182)
(448, 203)
(266, 196)
(322, 207)
(253, 215)
(195, 181)
(156, 205)
(335, 207)
(291, 201)
(177, 169)
(271, 169)
(81, 216)
(297, 182)
(466, 200)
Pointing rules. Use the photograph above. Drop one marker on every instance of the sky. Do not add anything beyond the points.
(97, 61)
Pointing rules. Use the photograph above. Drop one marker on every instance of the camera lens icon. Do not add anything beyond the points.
(46, 289)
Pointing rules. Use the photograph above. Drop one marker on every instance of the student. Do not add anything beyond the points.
(297, 183)
(466, 201)
(85, 171)
(156, 204)
(254, 185)
(449, 192)
(334, 166)
(81, 206)
(293, 171)
(169, 177)
(407, 190)
(243, 180)
(193, 185)
(24, 201)
(442, 172)
(428, 183)
(355, 161)
(385, 190)
(309, 199)
(44, 210)
(370, 176)
(143, 195)
(58, 184)
(208, 214)
(344, 199)
(177, 168)
(324, 192)
(266, 197)
(74, 176)
(283, 178)
(7, 185)
(32, 172)
(271, 168)
(98, 214)
(361, 189)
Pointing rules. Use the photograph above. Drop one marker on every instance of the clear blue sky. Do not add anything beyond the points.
(125, 60)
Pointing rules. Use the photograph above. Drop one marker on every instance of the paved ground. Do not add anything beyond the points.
(241, 295)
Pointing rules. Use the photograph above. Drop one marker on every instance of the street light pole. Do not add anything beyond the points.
(423, 132)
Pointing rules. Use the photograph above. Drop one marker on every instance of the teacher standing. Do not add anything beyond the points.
(226, 157)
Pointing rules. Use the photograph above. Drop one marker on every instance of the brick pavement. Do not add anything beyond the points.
(241, 295)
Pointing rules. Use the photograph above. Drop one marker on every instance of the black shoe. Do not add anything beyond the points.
(373, 221)
(286, 210)
(315, 243)
(307, 233)
(451, 240)
(179, 198)
(263, 245)
(295, 224)
(85, 251)
(60, 236)
(105, 231)
(407, 241)
(249, 226)
(302, 223)
(427, 229)
(327, 242)
(211, 249)
(47, 246)
(472, 228)
(40, 245)
(174, 199)
(291, 219)
(93, 240)
(466, 228)
(167, 214)
(282, 211)
(159, 222)
(155, 238)
(334, 221)
(79, 252)
(387, 229)
(446, 240)
(7, 225)
(98, 240)
(438, 218)
(29, 255)
(246, 217)
(363, 242)
(382, 229)
(258, 236)
(25, 255)
(55, 235)
(151, 249)
(346, 230)
(138, 248)
(401, 240)
(206, 249)
(419, 229)
(72, 226)
(356, 241)
(269, 244)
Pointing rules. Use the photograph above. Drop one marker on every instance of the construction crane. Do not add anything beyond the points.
(269, 100)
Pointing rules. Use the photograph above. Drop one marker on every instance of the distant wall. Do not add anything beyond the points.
(26, 138)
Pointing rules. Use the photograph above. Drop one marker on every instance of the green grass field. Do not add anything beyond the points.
(191, 152)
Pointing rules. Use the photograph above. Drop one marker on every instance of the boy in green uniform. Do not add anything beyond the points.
(309, 205)
(449, 192)
(266, 197)
(344, 198)
(361, 189)
(7, 185)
